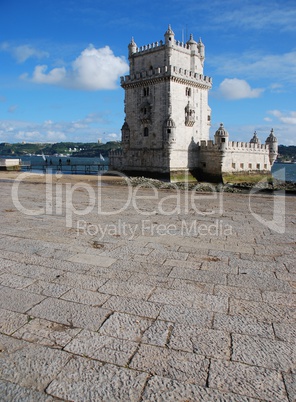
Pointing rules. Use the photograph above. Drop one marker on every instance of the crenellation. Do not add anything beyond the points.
(174, 71)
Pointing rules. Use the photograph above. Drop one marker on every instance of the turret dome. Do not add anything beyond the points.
(221, 132)
(271, 137)
(191, 41)
(169, 31)
(255, 139)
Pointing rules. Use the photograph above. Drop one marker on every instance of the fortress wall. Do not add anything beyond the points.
(239, 160)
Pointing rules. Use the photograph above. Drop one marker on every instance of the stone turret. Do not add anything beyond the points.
(255, 139)
(221, 138)
(272, 142)
(132, 47)
(169, 37)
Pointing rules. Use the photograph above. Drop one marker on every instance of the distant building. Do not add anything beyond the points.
(166, 128)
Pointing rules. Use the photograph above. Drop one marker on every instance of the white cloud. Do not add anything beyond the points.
(233, 88)
(93, 69)
(252, 65)
(88, 129)
(286, 118)
(113, 136)
(250, 14)
(55, 76)
(23, 52)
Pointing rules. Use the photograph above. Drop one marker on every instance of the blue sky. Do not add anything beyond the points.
(60, 63)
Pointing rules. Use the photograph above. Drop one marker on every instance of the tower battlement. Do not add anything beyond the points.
(172, 71)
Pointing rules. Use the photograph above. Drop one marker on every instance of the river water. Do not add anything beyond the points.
(72, 165)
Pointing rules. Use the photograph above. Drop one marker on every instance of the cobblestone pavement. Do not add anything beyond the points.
(107, 296)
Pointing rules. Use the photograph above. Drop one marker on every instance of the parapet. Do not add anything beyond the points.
(167, 70)
(242, 146)
(157, 45)
(207, 145)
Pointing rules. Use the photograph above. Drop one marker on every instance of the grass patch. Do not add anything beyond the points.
(246, 178)
(182, 177)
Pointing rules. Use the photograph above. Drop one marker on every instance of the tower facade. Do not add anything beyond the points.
(167, 118)
(166, 106)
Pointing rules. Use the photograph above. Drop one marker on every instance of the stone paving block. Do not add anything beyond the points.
(112, 272)
(205, 342)
(102, 347)
(178, 365)
(124, 265)
(56, 253)
(85, 297)
(290, 382)
(211, 303)
(191, 300)
(126, 252)
(88, 381)
(237, 292)
(47, 333)
(21, 245)
(125, 326)
(80, 281)
(262, 311)
(158, 333)
(288, 299)
(100, 260)
(34, 259)
(161, 389)
(133, 306)
(16, 393)
(248, 381)
(192, 286)
(257, 282)
(17, 300)
(151, 280)
(256, 263)
(199, 276)
(173, 296)
(184, 315)
(242, 325)
(15, 281)
(119, 288)
(29, 365)
(69, 313)
(158, 256)
(258, 351)
(192, 264)
(36, 272)
(48, 288)
(285, 332)
(10, 321)
(5, 264)
(219, 267)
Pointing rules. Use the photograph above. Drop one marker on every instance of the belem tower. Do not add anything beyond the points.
(167, 118)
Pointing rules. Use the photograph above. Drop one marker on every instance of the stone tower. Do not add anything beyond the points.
(166, 107)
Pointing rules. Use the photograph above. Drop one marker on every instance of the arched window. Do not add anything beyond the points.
(146, 132)
(188, 91)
